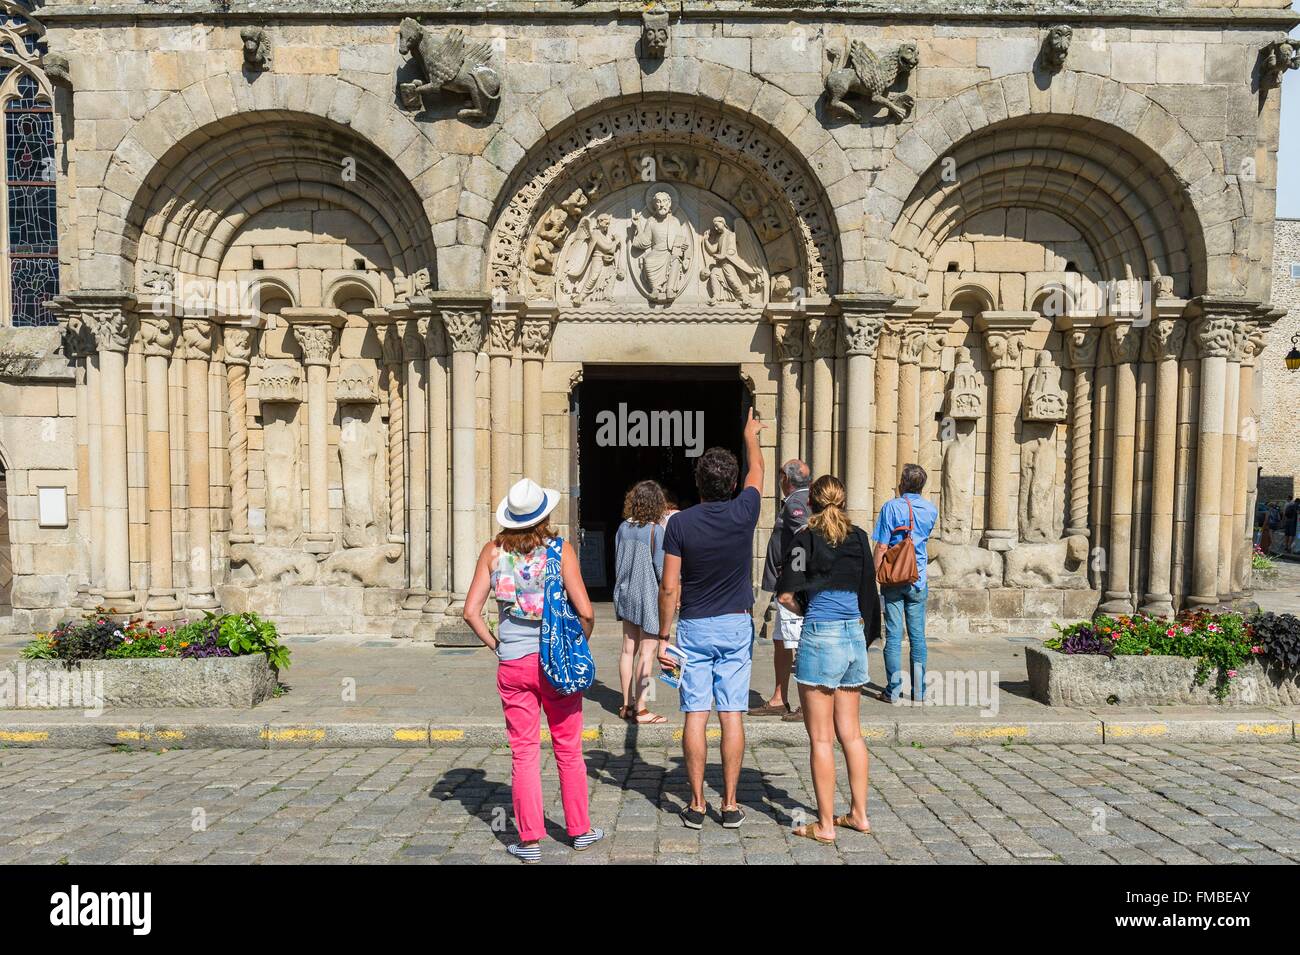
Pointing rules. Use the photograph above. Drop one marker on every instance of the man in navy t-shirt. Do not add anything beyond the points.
(708, 560)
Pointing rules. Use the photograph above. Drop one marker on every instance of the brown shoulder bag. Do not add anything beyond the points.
(898, 563)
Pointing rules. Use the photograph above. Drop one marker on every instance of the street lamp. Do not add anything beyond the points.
(1293, 356)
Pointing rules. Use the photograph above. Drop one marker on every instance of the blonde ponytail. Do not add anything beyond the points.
(829, 519)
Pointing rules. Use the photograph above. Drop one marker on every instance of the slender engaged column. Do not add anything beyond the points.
(1164, 344)
(1247, 455)
(415, 333)
(929, 450)
(314, 330)
(437, 388)
(1004, 340)
(79, 346)
(95, 448)
(109, 319)
(502, 332)
(199, 337)
(1228, 489)
(884, 433)
(863, 323)
(534, 343)
(822, 334)
(1081, 343)
(392, 345)
(1214, 338)
(158, 337)
(1126, 348)
(238, 341)
(909, 392)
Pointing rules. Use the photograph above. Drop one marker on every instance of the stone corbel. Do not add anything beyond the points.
(656, 30)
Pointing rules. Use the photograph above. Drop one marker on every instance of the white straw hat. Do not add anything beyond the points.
(526, 504)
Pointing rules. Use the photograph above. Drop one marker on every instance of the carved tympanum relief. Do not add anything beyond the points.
(659, 244)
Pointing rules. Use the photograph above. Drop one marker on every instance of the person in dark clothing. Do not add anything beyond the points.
(1289, 515)
(795, 478)
(828, 576)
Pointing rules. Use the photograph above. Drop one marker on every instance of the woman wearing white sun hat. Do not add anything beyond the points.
(512, 567)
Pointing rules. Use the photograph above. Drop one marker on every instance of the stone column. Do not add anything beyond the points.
(464, 319)
(1247, 445)
(1215, 333)
(1126, 349)
(315, 331)
(1004, 340)
(929, 451)
(199, 338)
(1081, 340)
(787, 343)
(158, 338)
(1164, 346)
(502, 332)
(863, 322)
(391, 342)
(822, 334)
(413, 321)
(108, 316)
(79, 347)
(884, 433)
(1228, 488)
(909, 391)
(438, 392)
(95, 453)
(534, 342)
(238, 339)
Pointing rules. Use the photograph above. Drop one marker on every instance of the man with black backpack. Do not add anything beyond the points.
(903, 591)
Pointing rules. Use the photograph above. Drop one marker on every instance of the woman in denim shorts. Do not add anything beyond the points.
(827, 576)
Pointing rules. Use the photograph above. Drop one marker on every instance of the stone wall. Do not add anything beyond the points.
(1279, 432)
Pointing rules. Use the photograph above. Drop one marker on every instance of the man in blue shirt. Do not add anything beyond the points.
(905, 603)
(708, 560)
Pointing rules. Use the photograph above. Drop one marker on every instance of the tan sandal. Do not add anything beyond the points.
(846, 822)
(654, 720)
(808, 832)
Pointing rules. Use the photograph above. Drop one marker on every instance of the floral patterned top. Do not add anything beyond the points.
(517, 583)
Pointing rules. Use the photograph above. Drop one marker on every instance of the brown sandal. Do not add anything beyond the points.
(654, 720)
(809, 832)
(846, 822)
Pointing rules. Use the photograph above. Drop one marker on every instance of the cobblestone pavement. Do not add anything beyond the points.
(1014, 803)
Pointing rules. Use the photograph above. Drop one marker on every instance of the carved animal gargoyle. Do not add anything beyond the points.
(1056, 47)
(1275, 59)
(257, 49)
(870, 75)
(449, 65)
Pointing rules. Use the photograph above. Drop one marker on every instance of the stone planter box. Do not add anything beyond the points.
(241, 681)
(1060, 679)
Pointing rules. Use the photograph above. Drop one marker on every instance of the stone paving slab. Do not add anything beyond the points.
(1032, 804)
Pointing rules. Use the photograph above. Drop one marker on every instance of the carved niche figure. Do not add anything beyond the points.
(868, 75)
(279, 392)
(450, 66)
(1060, 564)
(358, 455)
(1275, 59)
(958, 483)
(1056, 47)
(966, 397)
(655, 28)
(660, 249)
(1038, 509)
(257, 49)
(728, 277)
(1044, 401)
(598, 261)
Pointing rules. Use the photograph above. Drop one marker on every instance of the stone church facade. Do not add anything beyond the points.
(330, 278)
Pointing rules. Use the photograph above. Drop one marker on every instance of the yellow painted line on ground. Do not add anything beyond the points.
(446, 736)
(143, 737)
(294, 733)
(990, 732)
(1148, 729)
(708, 734)
(129, 734)
(877, 734)
(1264, 729)
(170, 734)
(410, 736)
(23, 736)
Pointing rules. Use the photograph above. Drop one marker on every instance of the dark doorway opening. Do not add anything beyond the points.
(643, 421)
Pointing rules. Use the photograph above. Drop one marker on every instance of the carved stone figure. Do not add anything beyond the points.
(868, 75)
(728, 277)
(1275, 59)
(1038, 490)
(359, 461)
(257, 49)
(1044, 400)
(963, 566)
(57, 68)
(655, 28)
(597, 261)
(1060, 564)
(1056, 47)
(958, 483)
(449, 65)
(660, 249)
(279, 392)
(966, 396)
(356, 385)
(275, 565)
(550, 235)
(375, 566)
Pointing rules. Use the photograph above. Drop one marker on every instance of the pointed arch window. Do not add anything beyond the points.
(28, 203)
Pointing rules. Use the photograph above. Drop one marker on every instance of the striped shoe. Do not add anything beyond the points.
(529, 854)
(588, 839)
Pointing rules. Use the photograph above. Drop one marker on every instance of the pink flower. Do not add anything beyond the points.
(1256, 649)
(1187, 629)
(1213, 628)
(1169, 632)
(162, 630)
(1231, 674)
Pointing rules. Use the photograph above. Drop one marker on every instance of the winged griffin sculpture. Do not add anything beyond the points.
(870, 75)
(450, 65)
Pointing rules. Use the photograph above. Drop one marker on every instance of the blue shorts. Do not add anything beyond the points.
(719, 657)
(832, 654)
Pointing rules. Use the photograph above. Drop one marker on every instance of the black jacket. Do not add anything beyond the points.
(792, 518)
(811, 564)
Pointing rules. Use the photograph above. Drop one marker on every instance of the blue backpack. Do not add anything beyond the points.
(565, 653)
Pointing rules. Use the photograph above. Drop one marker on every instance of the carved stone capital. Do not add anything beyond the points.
(1125, 342)
(1215, 336)
(891, 339)
(465, 329)
(822, 333)
(111, 328)
(1164, 340)
(1081, 343)
(390, 337)
(316, 342)
(912, 344)
(158, 335)
(535, 337)
(1004, 347)
(788, 338)
(198, 338)
(503, 331)
(237, 342)
(862, 334)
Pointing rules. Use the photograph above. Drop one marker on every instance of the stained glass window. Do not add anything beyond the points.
(32, 210)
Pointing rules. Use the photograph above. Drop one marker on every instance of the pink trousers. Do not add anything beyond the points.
(525, 692)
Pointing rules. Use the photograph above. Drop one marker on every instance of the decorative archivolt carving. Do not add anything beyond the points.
(257, 49)
(418, 282)
(655, 27)
(449, 65)
(869, 75)
(1056, 47)
(1044, 398)
(660, 143)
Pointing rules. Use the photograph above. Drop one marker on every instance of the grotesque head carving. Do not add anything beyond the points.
(654, 32)
(257, 49)
(1056, 47)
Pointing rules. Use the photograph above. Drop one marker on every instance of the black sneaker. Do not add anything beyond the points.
(733, 818)
(693, 818)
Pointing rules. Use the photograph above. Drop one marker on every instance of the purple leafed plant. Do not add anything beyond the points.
(205, 648)
(1084, 640)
